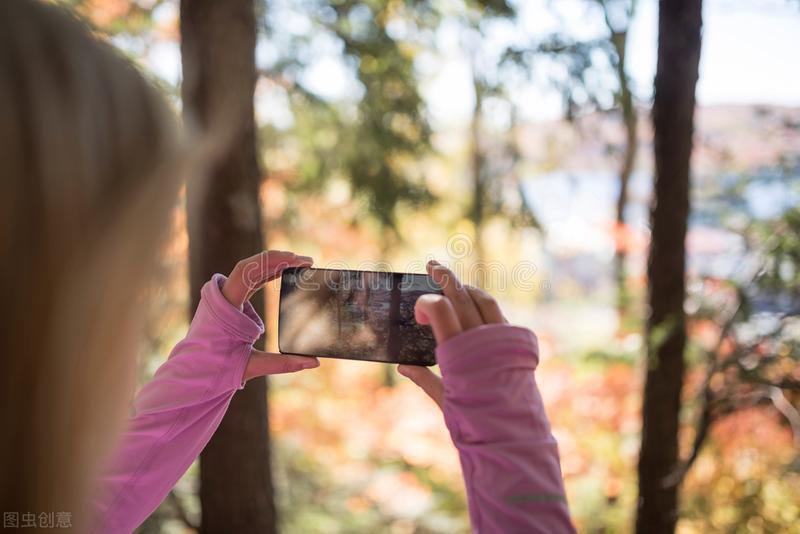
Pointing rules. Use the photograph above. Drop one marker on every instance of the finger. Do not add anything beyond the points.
(437, 311)
(250, 274)
(269, 363)
(276, 267)
(276, 270)
(268, 265)
(453, 289)
(425, 379)
(487, 306)
(245, 277)
(254, 270)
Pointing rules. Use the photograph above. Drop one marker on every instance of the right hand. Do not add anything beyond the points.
(461, 308)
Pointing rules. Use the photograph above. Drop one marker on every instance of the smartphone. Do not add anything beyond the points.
(355, 315)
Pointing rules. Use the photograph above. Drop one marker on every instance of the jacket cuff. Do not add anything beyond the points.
(471, 356)
(244, 325)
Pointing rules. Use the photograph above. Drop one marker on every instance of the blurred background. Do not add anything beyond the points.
(513, 141)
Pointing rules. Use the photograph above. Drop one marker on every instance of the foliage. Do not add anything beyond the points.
(346, 171)
(586, 76)
(116, 17)
(370, 140)
(747, 335)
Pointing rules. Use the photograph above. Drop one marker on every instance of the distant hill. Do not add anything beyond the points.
(727, 138)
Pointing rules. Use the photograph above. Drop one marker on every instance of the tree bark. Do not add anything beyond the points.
(673, 113)
(218, 54)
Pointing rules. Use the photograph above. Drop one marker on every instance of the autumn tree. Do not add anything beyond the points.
(369, 137)
(493, 157)
(751, 363)
(673, 123)
(224, 218)
(581, 91)
(618, 36)
(492, 169)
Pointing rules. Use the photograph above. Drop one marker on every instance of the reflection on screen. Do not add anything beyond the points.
(355, 314)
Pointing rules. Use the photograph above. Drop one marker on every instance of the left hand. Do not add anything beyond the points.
(461, 307)
(247, 277)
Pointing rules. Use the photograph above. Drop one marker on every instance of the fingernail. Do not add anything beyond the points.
(434, 262)
(309, 365)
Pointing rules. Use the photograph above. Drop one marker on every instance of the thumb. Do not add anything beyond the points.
(425, 379)
(269, 363)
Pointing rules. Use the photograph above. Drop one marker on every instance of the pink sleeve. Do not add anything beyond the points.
(496, 418)
(177, 412)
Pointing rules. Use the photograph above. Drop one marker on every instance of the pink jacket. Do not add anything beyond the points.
(492, 408)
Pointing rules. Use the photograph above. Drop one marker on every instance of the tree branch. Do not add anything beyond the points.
(706, 418)
(787, 410)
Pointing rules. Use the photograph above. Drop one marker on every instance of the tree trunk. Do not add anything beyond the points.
(673, 111)
(629, 119)
(218, 53)
(479, 177)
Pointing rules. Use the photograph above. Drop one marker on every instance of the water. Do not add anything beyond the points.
(577, 211)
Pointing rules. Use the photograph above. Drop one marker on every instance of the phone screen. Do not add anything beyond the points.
(357, 315)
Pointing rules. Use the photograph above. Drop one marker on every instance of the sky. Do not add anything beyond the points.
(749, 55)
(750, 51)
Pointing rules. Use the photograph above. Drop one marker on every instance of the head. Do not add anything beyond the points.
(89, 176)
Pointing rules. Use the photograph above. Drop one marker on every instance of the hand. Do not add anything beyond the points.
(462, 308)
(249, 276)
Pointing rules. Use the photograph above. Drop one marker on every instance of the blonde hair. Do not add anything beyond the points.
(88, 152)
